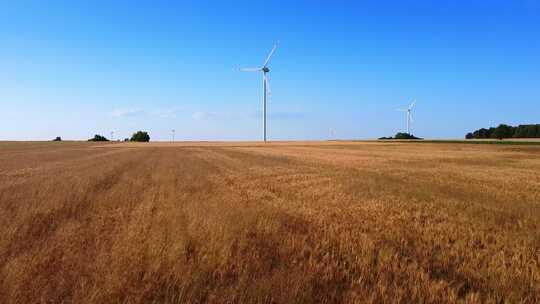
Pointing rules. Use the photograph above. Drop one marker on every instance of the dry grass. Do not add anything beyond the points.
(283, 222)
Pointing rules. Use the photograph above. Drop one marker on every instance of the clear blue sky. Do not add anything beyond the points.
(77, 68)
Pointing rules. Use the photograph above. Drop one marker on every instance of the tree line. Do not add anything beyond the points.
(506, 131)
(139, 136)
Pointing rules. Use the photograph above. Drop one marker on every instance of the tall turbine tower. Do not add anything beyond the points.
(409, 115)
(266, 85)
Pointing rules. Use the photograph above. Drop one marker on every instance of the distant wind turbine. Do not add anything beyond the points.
(266, 85)
(332, 133)
(409, 115)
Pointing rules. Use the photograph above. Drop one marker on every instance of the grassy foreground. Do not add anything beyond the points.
(290, 222)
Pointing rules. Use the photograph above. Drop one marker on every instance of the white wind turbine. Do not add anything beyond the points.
(409, 115)
(266, 85)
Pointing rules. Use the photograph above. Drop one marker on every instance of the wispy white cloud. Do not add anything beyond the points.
(279, 115)
(127, 112)
(160, 113)
(286, 115)
(205, 115)
(202, 115)
(164, 113)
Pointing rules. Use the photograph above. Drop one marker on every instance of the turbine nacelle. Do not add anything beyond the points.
(265, 69)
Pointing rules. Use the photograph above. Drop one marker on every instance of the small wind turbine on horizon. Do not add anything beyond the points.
(409, 115)
(266, 85)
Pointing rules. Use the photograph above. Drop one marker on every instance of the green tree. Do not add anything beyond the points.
(140, 136)
(98, 137)
(502, 131)
(531, 131)
(481, 133)
(492, 132)
(58, 138)
(405, 136)
(520, 131)
(506, 131)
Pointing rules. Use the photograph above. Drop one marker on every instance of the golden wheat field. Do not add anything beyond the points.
(290, 222)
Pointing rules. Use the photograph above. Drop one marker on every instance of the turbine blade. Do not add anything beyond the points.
(412, 104)
(270, 55)
(250, 69)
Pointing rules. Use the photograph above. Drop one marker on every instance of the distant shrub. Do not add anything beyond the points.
(58, 138)
(401, 135)
(469, 136)
(126, 139)
(98, 137)
(140, 136)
